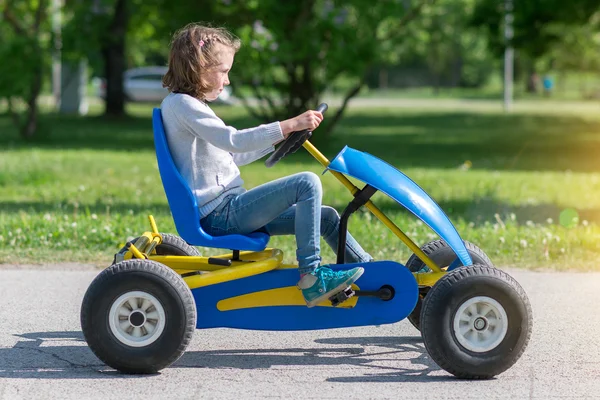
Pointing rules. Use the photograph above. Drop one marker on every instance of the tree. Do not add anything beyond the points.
(25, 48)
(101, 26)
(295, 51)
(441, 43)
(120, 31)
(577, 51)
(539, 25)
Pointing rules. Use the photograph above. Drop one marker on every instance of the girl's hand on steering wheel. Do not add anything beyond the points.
(308, 120)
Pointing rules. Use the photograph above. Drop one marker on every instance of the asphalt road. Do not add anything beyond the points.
(43, 355)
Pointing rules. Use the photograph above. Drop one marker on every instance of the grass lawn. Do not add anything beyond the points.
(524, 187)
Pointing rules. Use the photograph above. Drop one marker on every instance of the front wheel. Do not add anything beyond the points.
(476, 322)
(442, 255)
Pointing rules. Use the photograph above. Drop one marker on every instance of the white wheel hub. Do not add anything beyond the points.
(137, 319)
(480, 324)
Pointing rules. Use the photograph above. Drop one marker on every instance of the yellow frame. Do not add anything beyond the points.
(266, 260)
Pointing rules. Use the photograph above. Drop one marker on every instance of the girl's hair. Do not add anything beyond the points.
(194, 50)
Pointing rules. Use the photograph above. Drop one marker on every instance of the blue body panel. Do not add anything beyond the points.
(368, 310)
(184, 206)
(401, 188)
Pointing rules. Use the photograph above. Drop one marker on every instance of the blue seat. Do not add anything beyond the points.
(184, 206)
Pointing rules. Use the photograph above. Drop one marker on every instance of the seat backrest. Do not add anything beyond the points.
(184, 206)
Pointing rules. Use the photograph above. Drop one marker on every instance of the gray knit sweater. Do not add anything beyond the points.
(207, 152)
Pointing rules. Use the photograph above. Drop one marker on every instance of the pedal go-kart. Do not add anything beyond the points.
(139, 315)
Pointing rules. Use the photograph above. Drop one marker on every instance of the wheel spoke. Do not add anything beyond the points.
(485, 309)
(464, 318)
(472, 310)
(464, 329)
(145, 305)
(137, 332)
(124, 312)
(149, 327)
(480, 337)
(124, 325)
(152, 315)
(485, 335)
(469, 334)
(133, 303)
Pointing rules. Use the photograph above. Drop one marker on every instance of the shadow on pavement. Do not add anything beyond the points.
(65, 355)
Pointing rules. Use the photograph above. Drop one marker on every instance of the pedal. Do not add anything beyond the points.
(342, 296)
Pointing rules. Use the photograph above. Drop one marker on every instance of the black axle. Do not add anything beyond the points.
(385, 293)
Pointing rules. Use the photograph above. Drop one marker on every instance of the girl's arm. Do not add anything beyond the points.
(251, 156)
(202, 122)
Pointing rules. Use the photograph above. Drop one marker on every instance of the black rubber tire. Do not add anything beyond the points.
(442, 255)
(150, 277)
(440, 307)
(172, 245)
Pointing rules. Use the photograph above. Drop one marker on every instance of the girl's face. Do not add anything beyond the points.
(218, 76)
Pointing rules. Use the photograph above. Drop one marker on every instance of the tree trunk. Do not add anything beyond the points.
(532, 83)
(30, 127)
(113, 52)
(383, 78)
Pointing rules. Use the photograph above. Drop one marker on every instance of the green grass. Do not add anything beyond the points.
(86, 185)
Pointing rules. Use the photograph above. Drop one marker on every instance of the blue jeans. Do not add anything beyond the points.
(289, 205)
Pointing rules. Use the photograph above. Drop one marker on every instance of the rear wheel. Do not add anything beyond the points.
(443, 255)
(172, 245)
(138, 316)
(476, 322)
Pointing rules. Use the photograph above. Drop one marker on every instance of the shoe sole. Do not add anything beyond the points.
(337, 289)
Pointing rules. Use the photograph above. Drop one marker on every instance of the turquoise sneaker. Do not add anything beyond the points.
(324, 283)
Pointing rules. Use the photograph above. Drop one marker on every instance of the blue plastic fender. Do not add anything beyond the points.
(401, 188)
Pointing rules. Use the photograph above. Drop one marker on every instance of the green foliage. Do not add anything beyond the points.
(25, 49)
(86, 30)
(538, 24)
(295, 51)
(578, 50)
(16, 76)
(23, 52)
(442, 42)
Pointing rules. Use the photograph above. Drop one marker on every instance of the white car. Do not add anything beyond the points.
(144, 84)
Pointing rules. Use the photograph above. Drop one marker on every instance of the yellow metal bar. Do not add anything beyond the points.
(134, 250)
(208, 267)
(428, 278)
(373, 208)
(325, 162)
(398, 232)
(153, 224)
(243, 270)
(186, 263)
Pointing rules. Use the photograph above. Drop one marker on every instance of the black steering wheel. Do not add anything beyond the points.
(294, 141)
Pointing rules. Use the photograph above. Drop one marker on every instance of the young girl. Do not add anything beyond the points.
(207, 153)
